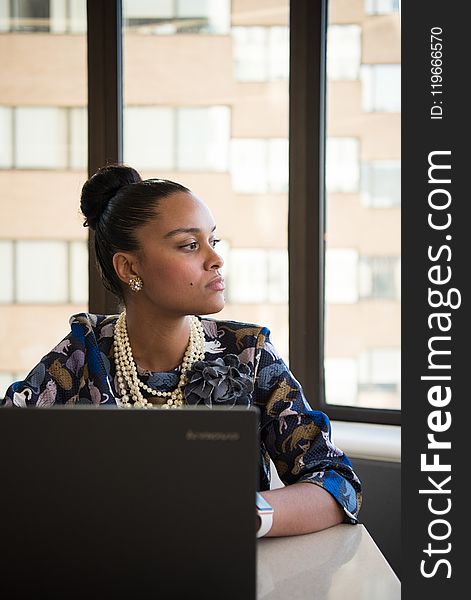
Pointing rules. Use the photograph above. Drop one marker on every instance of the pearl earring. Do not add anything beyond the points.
(136, 283)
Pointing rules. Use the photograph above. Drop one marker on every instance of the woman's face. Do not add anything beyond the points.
(177, 260)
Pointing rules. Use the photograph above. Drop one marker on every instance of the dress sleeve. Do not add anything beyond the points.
(296, 437)
(59, 378)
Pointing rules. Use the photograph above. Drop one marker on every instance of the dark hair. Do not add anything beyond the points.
(115, 202)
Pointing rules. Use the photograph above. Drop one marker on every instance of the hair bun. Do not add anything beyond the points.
(101, 187)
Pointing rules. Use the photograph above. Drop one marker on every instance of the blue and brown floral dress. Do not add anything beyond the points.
(81, 370)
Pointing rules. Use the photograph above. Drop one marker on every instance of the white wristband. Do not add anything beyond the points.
(265, 512)
(266, 523)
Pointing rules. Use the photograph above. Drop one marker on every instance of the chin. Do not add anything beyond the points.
(210, 308)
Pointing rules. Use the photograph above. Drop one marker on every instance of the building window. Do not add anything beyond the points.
(341, 381)
(342, 164)
(43, 137)
(381, 88)
(379, 277)
(6, 260)
(341, 281)
(381, 7)
(379, 378)
(256, 275)
(381, 183)
(203, 138)
(44, 272)
(6, 136)
(183, 139)
(40, 138)
(43, 16)
(170, 17)
(261, 53)
(259, 166)
(343, 52)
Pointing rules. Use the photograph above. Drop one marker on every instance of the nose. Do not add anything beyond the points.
(213, 260)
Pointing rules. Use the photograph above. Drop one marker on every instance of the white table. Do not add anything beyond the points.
(342, 562)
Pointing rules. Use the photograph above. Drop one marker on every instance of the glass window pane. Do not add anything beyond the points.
(149, 137)
(363, 180)
(5, 137)
(41, 138)
(78, 272)
(203, 138)
(249, 162)
(6, 260)
(41, 272)
(229, 143)
(43, 162)
(343, 51)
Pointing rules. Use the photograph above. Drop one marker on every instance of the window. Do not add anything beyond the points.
(169, 17)
(43, 163)
(259, 166)
(381, 7)
(44, 272)
(341, 285)
(379, 277)
(342, 168)
(33, 261)
(381, 88)
(43, 16)
(40, 136)
(261, 53)
(193, 114)
(362, 316)
(6, 260)
(182, 139)
(343, 52)
(381, 183)
(257, 276)
(43, 137)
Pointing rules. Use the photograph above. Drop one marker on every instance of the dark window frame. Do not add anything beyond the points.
(306, 221)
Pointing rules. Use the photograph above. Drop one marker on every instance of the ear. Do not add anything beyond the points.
(125, 265)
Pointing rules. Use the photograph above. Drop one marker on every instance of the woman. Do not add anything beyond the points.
(155, 244)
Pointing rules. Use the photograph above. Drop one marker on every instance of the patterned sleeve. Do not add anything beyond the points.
(61, 377)
(298, 438)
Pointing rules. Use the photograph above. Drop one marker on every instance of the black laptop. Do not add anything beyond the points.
(118, 503)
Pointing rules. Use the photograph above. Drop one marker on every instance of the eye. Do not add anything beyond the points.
(214, 242)
(191, 246)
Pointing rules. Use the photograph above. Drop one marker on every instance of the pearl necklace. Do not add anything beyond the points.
(126, 371)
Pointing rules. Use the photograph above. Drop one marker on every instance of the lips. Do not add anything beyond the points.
(216, 284)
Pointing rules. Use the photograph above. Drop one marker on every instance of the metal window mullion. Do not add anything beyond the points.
(105, 114)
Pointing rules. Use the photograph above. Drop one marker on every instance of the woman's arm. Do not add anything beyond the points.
(302, 508)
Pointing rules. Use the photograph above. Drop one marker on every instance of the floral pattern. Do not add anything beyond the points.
(240, 367)
(222, 381)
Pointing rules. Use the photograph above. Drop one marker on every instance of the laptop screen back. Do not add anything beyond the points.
(128, 503)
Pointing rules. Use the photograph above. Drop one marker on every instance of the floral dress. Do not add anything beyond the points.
(240, 367)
